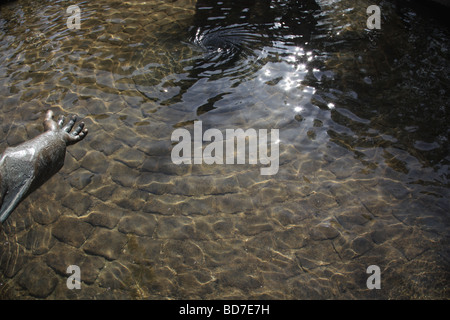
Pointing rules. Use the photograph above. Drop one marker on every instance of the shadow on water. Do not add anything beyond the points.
(389, 86)
(386, 88)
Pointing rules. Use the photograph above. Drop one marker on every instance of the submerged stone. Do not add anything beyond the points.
(38, 279)
(105, 243)
(72, 231)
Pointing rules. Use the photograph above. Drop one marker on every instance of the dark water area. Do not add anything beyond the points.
(363, 177)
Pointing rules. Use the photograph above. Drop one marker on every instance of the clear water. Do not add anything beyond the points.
(364, 162)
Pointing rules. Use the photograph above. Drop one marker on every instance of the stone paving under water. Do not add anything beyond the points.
(141, 227)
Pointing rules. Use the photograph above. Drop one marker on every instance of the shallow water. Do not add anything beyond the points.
(363, 175)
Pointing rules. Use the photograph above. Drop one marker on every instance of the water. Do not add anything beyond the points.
(363, 175)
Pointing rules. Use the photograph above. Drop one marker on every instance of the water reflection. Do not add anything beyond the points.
(233, 40)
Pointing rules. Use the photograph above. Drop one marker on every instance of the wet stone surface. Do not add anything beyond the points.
(141, 227)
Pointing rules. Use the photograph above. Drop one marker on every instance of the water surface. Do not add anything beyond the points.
(363, 177)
